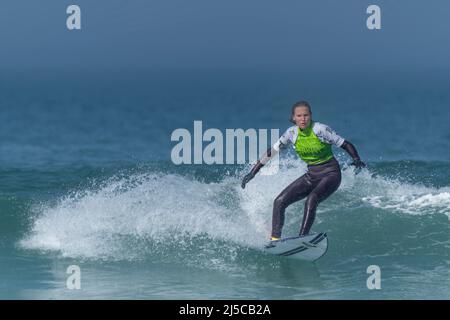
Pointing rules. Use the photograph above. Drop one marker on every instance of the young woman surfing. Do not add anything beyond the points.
(312, 141)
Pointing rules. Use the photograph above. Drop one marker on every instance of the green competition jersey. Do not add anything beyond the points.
(313, 144)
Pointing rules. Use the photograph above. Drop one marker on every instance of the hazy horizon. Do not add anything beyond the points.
(204, 34)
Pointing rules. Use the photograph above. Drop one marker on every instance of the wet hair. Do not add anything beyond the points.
(299, 104)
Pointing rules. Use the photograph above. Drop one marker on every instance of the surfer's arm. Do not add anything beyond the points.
(351, 150)
(328, 135)
(269, 154)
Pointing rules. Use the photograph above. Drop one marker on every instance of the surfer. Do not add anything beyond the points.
(312, 141)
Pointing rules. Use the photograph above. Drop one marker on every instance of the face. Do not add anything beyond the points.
(302, 117)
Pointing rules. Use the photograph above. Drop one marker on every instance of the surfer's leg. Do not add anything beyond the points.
(327, 185)
(296, 191)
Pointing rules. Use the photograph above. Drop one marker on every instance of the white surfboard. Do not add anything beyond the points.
(309, 248)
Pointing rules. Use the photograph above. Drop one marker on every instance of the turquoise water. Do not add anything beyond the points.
(87, 180)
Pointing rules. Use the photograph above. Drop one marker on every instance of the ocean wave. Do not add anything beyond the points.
(156, 214)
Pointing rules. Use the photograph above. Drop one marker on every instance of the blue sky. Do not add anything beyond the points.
(323, 34)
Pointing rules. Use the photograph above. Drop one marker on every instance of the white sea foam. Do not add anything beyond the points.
(156, 207)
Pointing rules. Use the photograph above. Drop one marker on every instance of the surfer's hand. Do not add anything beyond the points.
(358, 164)
(247, 178)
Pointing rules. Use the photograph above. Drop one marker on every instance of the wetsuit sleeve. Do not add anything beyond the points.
(282, 142)
(351, 150)
(328, 135)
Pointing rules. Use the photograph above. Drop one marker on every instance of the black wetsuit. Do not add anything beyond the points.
(317, 184)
